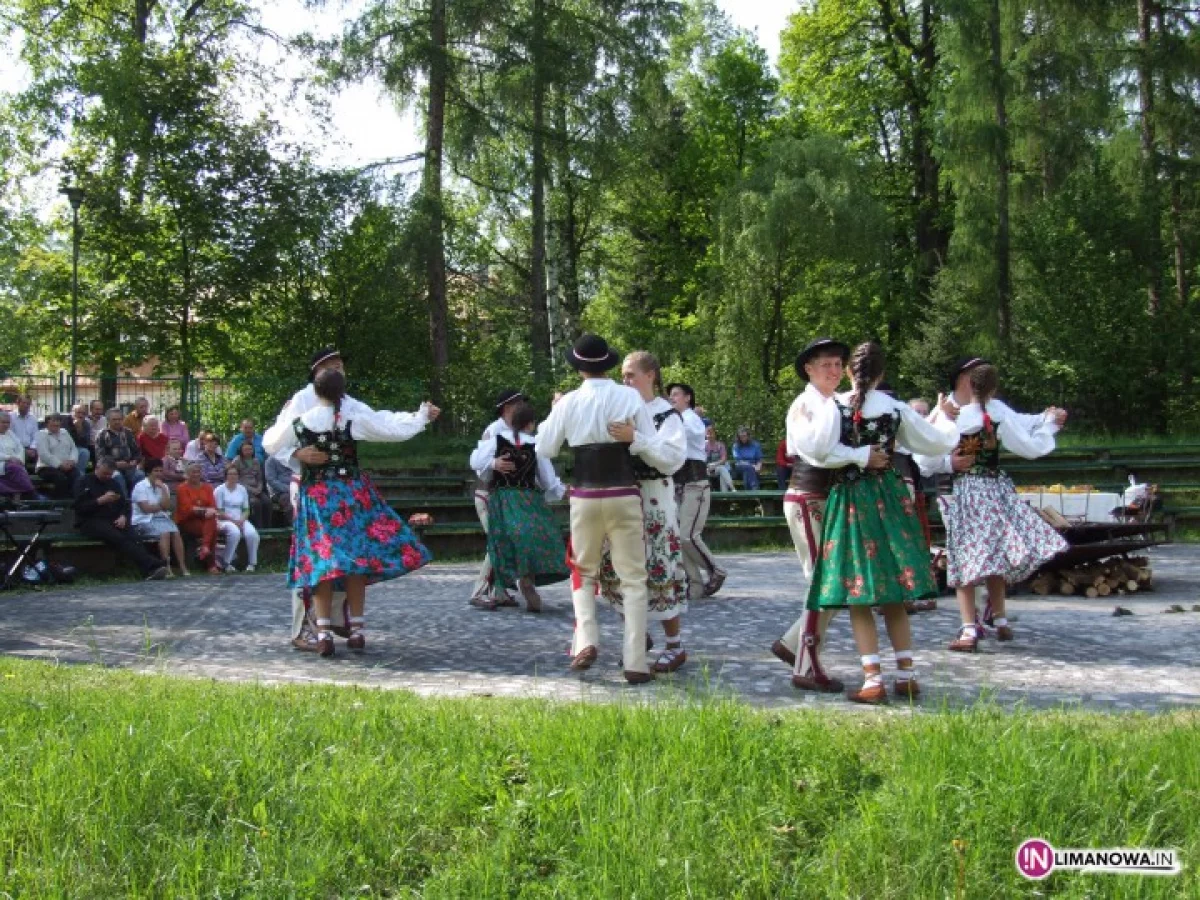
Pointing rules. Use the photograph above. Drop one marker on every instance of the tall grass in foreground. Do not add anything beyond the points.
(114, 784)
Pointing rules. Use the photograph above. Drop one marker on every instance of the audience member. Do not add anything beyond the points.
(80, 427)
(747, 459)
(152, 520)
(120, 445)
(175, 428)
(102, 512)
(252, 477)
(98, 419)
(279, 486)
(196, 514)
(783, 465)
(233, 511)
(152, 442)
(212, 463)
(718, 460)
(25, 429)
(14, 480)
(57, 459)
(174, 467)
(135, 420)
(246, 433)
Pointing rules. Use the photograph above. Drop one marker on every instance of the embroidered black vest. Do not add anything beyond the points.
(875, 432)
(985, 447)
(338, 444)
(642, 470)
(523, 457)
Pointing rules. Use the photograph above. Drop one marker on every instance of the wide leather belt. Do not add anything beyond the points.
(603, 465)
(692, 470)
(808, 479)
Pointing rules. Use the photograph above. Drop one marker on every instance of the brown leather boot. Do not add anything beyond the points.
(1004, 633)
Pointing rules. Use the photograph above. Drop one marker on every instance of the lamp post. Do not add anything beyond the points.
(74, 196)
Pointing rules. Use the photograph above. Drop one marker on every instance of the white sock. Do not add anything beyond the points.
(323, 629)
(870, 679)
(968, 631)
(357, 624)
(904, 670)
(999, 622)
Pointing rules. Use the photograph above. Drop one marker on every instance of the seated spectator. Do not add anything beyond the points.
(58, 461)
(120, 445)
(14, 480)
(747, 459)
(783, 465)
(80, 429)
(134, 421)
(212, 463)
(174, 466)
(279, 486)
(196, 514)
(152, 442)
(152, 520)
(194, 449)
(253, 479)
(25, 429)
(233, 512)
(920, 406)
(175, 428)
(246, 434)
(102, 512)
(718, 460)
(98, 419)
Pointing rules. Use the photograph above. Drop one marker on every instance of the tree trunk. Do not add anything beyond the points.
(1003, 247)
(539, 322)
(1150, 220)
(568, 235)
(933, 240)
(431, 189)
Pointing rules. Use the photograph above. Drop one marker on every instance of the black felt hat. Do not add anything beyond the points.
(966, 364)
(323, 355)
(820, 345)
(686, 388)
(592, 354)
(507, 396)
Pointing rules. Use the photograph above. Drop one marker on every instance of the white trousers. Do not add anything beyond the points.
(483, 580)
(233, 536)
(694, 501)
(805, 515)
(615, 514)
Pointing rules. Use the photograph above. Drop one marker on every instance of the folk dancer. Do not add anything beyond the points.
(605, 501)
(992, 536)
(483, 457)
(873, 552)
(693, 497)
(344, 530)
(654, 462)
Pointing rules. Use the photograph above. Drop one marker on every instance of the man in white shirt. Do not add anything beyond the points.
(605, 501)
(483, 461)
(25, 429)
(57, 458)
(693, 497)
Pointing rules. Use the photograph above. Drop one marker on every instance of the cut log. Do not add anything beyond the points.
(1092, 592)
(1066, 588)
(1104, 589)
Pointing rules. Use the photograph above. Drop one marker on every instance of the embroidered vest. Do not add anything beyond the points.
(338, 444)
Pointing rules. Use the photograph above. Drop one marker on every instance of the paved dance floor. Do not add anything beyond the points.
(424, 637)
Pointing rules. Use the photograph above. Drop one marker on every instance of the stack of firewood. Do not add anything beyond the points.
(1116, 575)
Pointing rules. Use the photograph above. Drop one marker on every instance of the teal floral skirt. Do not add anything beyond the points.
(524, 540)
(872, 548)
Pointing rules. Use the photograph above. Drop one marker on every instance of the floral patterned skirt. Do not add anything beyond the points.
(992, 531)
(872, 549)
(523, 539)
(666, 580)
(343, 527)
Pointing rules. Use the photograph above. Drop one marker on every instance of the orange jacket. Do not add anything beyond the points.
(188, 498)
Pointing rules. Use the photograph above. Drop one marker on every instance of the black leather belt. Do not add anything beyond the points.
(808, 479)
(603, 465)
(692, 470)
(643, 471)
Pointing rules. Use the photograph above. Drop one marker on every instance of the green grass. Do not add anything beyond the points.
(120, 785)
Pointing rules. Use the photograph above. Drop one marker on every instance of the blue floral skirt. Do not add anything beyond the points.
(343, 527)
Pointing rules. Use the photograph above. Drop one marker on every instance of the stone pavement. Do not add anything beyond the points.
(424, 637)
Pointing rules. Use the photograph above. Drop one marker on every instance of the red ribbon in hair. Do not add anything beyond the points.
(987, 423)
(857, 416)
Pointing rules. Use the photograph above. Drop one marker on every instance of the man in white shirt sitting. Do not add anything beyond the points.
(25, 429)
(605, 500)
(57, 458)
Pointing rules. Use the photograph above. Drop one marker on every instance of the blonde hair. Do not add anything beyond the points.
(645, 361)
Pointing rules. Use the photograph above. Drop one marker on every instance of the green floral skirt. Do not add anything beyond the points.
(872, 548)
(524, 540)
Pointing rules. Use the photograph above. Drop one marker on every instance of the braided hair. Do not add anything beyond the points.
(330, 385)
(866, 367)
(984, 380)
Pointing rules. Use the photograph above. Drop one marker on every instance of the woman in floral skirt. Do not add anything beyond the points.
(873, 551)
(654, 463)
(992, 536)
(343, 529)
